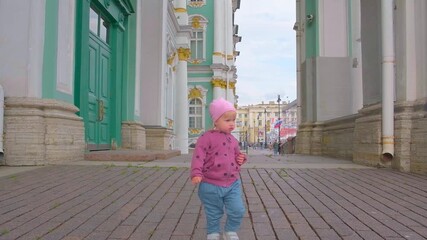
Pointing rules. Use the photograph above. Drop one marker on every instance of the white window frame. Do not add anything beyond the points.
(201, 26)
(196, 115)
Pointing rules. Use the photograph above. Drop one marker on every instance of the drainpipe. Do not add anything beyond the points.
(1, 117)
(388, 61)
(298, 31)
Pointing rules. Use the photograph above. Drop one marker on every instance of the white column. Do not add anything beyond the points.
(22, 47)
(219, 52)
(356, 70)
(217, 88)
(228, 39)
(229, 32)
(182, 101)
(181, 11)
(230, 92)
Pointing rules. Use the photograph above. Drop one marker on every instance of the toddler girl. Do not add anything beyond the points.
(216, 165)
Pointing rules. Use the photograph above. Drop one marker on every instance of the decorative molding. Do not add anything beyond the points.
(199, 92)
(197, 4)
(217, 82)
(183, 54)
(180, 10)
(169, 123)
(196, 61)
(218, 54)
(232, 85)
(195, 93)
(195, 22)
(121, 17)
(107, 3)
(194, 131)
(171, 58)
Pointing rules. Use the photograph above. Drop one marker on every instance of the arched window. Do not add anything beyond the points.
(196, 113)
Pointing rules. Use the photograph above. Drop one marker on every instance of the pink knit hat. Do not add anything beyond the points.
(218, 107)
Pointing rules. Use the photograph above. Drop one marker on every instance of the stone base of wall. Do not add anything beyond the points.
(133, 136)
(367, 136)
(303, 140)
(41, 131)
(359, 137)
(158, 138)
(337, 138)
(418, 143)
(309, 139)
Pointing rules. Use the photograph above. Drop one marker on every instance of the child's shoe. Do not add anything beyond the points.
(231, 236)
(213, 236)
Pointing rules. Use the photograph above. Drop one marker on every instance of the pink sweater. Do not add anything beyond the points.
(214, 158)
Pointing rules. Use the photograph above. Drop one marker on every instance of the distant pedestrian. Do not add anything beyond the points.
(275, 147)
(216, 165)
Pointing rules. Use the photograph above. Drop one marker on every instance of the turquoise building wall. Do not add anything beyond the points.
(207, 11)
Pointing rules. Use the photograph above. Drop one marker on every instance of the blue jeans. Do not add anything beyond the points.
(215, 198)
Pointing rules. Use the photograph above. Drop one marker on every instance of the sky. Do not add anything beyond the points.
(266, 64)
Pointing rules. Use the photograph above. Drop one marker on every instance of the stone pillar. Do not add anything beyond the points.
(41, 131)
(133, 136)
(159, 138)
(182, 101)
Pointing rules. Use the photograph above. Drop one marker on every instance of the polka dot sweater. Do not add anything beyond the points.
(214, 158)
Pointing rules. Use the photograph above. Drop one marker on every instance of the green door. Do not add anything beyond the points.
(99, 81)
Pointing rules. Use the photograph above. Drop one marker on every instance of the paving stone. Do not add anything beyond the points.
(121, 202)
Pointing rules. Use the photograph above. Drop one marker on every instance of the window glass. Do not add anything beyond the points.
(103, 30)
(93, 21)
(98, 25)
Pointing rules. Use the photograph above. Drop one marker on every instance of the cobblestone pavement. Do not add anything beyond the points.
(118, 201)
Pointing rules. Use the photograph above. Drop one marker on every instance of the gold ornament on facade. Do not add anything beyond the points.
(194, 131)
(195, 23)
(195, 93)
(232, 85)
(180, 10)
(171, 58)
(169, 123)
(230, 57)
(183, 54)
(217, 82)
(224, 84)
(218, 54)
(195, 61)
(197, 4)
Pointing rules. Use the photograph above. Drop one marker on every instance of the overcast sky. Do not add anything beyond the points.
(266, 65)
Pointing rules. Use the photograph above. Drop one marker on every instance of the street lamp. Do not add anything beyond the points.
(254, 132)
(278, 102)
(258, 129)
(265, 127)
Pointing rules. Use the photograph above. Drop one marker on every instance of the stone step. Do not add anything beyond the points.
(130, 155)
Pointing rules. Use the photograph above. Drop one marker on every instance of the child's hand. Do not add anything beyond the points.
(196, 180)
(241, 158)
